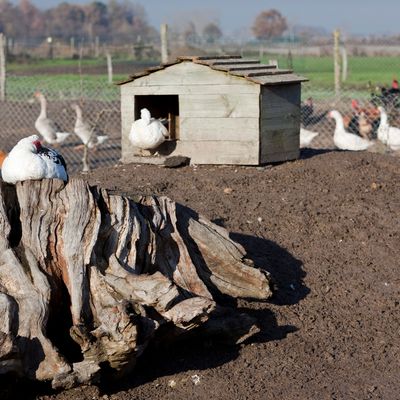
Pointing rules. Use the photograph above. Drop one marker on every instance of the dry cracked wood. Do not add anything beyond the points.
(88, 277)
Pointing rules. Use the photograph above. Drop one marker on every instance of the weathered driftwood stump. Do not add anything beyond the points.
(87, 278)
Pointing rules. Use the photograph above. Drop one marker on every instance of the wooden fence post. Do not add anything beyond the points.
(2, 67)
(336, 61)
(96, 47)
(109, 68)
(72, 45)
(344, 63)
(164, 43)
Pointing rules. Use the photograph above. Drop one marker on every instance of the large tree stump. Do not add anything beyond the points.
(87, 278)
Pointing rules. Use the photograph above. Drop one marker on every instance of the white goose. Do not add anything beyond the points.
(147, 133)
(28, 159)
(387, 134)
(47, 127)
(345, 140)
(306, 136)
(85, 132)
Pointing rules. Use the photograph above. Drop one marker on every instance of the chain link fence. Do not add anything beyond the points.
(99, 102)
(365, 77)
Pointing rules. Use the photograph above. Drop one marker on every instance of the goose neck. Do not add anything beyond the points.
(384, 119)
(339, 122)
(43, 107)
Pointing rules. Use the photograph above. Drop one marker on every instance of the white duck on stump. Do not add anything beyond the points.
(147, 133)
(86, 133)
(30, 160)
(387, 134)
(344, 140)
(49, 130)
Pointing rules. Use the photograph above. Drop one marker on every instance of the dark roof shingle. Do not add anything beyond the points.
(251, 69)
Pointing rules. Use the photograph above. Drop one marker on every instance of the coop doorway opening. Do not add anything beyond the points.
(163, 107)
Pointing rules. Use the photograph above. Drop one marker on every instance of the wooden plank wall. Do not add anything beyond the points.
(280, 123)
(218, 113)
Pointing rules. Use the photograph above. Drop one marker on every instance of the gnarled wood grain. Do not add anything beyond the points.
(88, 277)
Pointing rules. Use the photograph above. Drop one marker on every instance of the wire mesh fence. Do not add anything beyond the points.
(98, 100)
(364, 78)
(358, 101)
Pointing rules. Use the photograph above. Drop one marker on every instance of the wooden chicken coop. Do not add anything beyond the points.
(220, 110)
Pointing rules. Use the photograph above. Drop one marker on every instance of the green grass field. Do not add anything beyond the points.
(379, 71)
(63, 86)
(32, 65)
(361, 70)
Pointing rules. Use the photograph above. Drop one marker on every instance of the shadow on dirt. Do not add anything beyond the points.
(182, 356)
(197, 352)
(306, 152)
(286, 271)
(12, 388)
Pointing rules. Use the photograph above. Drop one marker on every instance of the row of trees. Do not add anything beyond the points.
(113, 21)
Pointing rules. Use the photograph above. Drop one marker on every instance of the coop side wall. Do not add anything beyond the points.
(280, 123)
(218, 113)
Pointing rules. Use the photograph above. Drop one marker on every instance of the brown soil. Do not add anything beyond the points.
(328, 225)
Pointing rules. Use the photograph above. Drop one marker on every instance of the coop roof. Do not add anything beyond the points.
(250, 69)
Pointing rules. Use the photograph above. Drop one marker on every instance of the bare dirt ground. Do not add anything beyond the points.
(328, 224)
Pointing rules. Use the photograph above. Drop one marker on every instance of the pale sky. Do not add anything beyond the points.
(352, 16)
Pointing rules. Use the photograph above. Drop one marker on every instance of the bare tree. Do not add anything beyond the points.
(9, 19)
(190, 34)
(115, 21)
(32, 21)
(212, 33)
(269, 24)
(64, 21)
(96, 19)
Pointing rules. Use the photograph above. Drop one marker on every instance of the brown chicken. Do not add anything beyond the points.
(364, 121)
(2, 157)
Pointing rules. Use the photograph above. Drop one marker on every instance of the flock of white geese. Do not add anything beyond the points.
(29, 159)
(146, 133)
(344, 140)
(51, 132)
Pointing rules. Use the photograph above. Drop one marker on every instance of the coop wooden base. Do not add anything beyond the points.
(87, 279)
(164, 161)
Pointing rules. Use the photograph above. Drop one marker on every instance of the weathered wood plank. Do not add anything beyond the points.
(237, 61)
(278, 139)
(219, 152)
(132, 90)
(245, 67)
(208, 152)
(219, 129)
(260, 73)
(127, 116)
(272, 80)
(279, 157)
(285, 122)
(280, 123)
(189, 73)
(224, 106)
